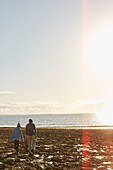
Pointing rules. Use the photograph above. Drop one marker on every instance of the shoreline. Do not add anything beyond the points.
(68, 127)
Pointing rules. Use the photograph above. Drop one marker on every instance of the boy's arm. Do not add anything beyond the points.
(13, 135)
(21, 136)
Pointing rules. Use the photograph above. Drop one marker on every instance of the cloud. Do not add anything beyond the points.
(39, 107)
(7, 92)
(92, 106)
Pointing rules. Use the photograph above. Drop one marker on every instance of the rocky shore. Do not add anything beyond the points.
(60, 149)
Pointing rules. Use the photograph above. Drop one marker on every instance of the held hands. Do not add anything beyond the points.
(22, 141)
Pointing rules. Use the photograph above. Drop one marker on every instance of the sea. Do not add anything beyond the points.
(55, 121)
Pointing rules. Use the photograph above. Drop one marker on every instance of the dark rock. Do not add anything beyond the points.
(56, 159)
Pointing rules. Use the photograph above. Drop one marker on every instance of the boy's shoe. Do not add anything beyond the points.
(32, 150)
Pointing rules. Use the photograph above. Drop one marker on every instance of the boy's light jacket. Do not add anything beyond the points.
(17, 134)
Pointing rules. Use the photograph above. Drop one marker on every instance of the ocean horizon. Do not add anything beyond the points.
(54, 120)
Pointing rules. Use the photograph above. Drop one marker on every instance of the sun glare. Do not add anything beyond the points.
(105, 117)
(101, 50)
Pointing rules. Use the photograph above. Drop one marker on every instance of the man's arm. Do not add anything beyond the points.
(26, 130)
(34, 130)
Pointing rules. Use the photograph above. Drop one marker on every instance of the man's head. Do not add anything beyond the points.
(30, 120)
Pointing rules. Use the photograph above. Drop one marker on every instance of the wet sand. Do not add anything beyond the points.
(61, 149)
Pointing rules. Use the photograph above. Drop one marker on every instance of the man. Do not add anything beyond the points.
(31, 135)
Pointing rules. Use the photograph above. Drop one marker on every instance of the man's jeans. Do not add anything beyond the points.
(31, 142)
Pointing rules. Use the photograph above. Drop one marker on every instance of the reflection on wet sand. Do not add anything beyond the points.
(60, 149)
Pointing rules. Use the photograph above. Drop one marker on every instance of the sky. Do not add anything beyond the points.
(56, 56)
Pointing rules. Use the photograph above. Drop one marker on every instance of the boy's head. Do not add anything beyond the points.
(18, 125)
